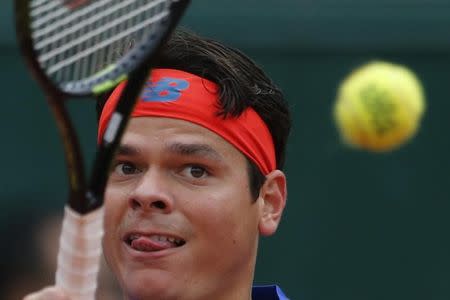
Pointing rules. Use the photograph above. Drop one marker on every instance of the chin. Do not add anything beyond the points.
(149, 285)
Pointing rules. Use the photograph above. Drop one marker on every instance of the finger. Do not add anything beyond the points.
(48, 293)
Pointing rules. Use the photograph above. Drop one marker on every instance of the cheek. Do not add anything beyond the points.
(226, 229)
(114, 207)
(115, 201)
(228, 215)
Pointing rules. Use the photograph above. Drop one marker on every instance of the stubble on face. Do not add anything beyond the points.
(212, 211)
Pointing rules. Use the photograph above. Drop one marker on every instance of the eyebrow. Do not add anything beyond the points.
(201, 150)
(127, 150)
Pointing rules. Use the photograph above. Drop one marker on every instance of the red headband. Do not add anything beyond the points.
(176, 94)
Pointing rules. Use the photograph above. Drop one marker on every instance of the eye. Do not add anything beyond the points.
(125, 168)
(195, 171)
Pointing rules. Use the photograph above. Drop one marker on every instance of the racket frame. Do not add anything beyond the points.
(80, 239)
(79, 189)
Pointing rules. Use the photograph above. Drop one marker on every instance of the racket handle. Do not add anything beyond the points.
(79, 253)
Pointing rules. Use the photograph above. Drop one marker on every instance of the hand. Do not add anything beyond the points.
(48, 293)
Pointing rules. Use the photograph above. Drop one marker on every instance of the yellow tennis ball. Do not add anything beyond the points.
(379, 106)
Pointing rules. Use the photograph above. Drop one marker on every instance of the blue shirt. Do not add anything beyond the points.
(268, 292)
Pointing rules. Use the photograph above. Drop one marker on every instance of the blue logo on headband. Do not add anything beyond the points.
(165, 90)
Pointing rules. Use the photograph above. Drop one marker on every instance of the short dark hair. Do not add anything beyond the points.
(242, 84)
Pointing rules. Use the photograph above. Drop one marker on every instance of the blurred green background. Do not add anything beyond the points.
(358, 226)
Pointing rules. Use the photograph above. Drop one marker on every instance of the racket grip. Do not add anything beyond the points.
(79, 253)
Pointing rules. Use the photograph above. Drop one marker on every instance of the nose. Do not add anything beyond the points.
(152, 194)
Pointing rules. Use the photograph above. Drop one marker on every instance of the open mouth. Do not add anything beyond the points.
(151, 243)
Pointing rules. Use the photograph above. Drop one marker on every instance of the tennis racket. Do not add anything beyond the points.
(74, 49)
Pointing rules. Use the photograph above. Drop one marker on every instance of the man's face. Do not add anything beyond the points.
(179, 219)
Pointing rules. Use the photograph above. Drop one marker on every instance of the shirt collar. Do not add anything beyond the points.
(268, 292)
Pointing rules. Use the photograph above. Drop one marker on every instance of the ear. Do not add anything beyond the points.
(272, 196)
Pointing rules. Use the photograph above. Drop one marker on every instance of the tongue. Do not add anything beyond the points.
(148, 245)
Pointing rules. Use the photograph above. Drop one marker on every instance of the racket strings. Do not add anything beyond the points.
(73, 44)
